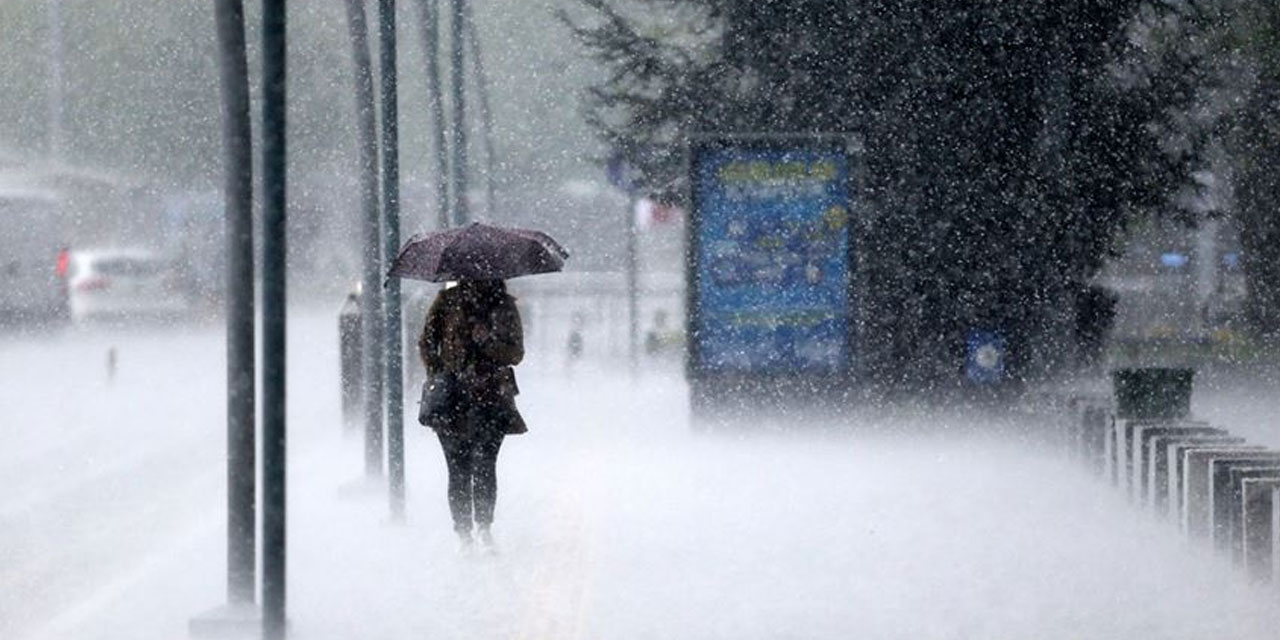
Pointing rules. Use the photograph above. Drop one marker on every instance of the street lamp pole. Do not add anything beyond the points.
(241, 410)
(435, 100)
(457, 24)
(391, 215)
(273, 318)
(54, 87)
(371, 323)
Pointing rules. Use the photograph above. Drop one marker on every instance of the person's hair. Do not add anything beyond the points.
(491, 287)
(484, 292)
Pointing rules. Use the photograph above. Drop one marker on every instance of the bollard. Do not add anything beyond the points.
(1144, 451)
(350, 351)
(1198, 484)
(1086, 429)
(1258, 529)
(1110, 436)
(1275, 536)
(1074, 425)
(1229, 527)
(1093, 437)
(1164, 467)
(1080, 418)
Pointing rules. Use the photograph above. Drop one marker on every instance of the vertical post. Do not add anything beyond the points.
(457, 22)
(431, 44)
(238, 195)
(371, 280)
(486, 114)
(54, 86)
(633, 293)
(350, 361)
(273, 318)
(391, 211)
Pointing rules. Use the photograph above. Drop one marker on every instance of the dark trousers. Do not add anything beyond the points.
(473, 477)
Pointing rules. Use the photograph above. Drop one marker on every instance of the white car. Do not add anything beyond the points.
(124, 284)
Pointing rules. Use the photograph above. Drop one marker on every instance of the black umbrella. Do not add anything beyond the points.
(477, 252)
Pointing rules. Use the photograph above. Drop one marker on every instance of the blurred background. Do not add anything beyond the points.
(1124, 215)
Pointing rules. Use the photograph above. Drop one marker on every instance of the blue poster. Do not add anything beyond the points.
(772, 260)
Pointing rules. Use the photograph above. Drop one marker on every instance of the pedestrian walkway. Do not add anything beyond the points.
(616, 520)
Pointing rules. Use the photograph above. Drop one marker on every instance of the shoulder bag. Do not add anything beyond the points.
(440, 396)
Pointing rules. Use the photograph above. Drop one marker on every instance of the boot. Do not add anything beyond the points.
(486, 540)
(466, 544)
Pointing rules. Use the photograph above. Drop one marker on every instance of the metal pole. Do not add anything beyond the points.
(486, 114)
(238, 195)
(53, 14)
(371, 282)
(391, 211)
(431, 44)
(633, 305)
(457, 22)
(273, 318)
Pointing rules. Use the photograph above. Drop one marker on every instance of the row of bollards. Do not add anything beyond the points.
(1217, 488)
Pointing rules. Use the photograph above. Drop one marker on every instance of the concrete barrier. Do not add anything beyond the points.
(1214, 484)
(1162, 460)
(1143, 452)
(1178, 457)
(1127, 433)
(1120, 455)
(1229, 516)
(1128, 451)
(1122, 452)
(1226, 497)
(1260, 508)
(1198, 484)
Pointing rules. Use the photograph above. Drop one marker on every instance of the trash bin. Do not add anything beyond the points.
(349, 349)
(1153, 393)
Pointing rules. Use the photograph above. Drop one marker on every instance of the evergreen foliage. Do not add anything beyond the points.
(1003, 154)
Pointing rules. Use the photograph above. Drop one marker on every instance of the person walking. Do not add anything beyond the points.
(473, 333)
(471, 340)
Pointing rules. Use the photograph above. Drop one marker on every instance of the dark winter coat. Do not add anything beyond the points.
(478, 338)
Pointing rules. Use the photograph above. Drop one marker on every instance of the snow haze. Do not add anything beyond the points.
(615, 518)
(953, 210)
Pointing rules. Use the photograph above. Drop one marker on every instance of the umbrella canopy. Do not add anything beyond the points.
(477, 252)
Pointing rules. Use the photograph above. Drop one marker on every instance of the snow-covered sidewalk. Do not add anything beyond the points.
(616, 520)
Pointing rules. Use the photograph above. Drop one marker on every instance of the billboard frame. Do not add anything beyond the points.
(710, 387)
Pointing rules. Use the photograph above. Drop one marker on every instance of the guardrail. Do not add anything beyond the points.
(1217, 488)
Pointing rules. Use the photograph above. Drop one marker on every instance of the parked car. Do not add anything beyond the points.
(124, 283)
(31, 291)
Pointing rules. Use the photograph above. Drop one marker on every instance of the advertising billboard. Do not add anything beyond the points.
(770, 257)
